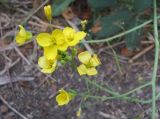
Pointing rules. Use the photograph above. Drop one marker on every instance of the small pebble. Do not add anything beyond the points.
(3, 109)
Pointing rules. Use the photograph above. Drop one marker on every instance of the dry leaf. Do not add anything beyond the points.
(96, 28)
(126, 52)
(68, 14)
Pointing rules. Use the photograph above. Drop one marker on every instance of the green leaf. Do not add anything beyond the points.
(141, 5)
(4, 1)
(58, 7)
(113, 24)
(132, 39)
(100, 4)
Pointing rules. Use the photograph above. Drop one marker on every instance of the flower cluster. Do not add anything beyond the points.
(54, 43)
(89, 63)
(55, 47)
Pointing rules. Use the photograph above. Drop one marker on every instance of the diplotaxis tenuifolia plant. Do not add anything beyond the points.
(55, 47)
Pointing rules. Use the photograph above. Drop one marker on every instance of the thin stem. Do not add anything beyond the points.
(121, 34)
(115, 93)
(155, 60)
(102, 88)
(138, 88)
(116, 58)
(33, 12)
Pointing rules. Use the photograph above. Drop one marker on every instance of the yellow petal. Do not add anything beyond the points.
(63, 98)
(73, 42)
(82, 69)
(91, 71)
(58, 36)
(62, 47)
(44, 39)
(77, 37)
(47, 66)
(69, 32)
(22, 35)
(95, 61)
(79, 112)
(48, 12)
(80, 35)
(22, 31)
(60, 40)
(84, 57)
(43, 62)
(20, 40)
(51, 69)
(50, 52)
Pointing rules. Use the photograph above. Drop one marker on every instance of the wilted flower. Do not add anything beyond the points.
(22, 36)
(88, 63)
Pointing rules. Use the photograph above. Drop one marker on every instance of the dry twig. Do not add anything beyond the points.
(13, 109)
(141, 53)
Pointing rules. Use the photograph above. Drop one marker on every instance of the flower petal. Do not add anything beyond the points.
(63, 98)
(73, 42)
(84, 57)
(20, 40)
(69, 32)
(22, 31)
(50, 52)
(62, 47)
(91, 71)
(80, 35)
(51, 69)
(43, 62)
(44, 39)
(95, 61)
(58, 36)
(82, 69)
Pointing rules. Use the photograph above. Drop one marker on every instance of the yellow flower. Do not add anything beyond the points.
(63, 97)
(73, 37)
(52, 43)
(48, 12)
(60, 40)
(22, 36)
(79, 112)
(88, 63)
(47, 66)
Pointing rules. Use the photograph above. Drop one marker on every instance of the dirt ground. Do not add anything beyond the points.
(35, 98)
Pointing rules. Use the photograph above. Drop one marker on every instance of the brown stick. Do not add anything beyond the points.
(141, 53)
(13, 109)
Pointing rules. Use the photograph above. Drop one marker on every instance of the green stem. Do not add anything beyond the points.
(138, 88)
(102, 88)
(121, 34)
(33, 12)
(155, 60)
(131, 99)
(116, 58)
(115, 93)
